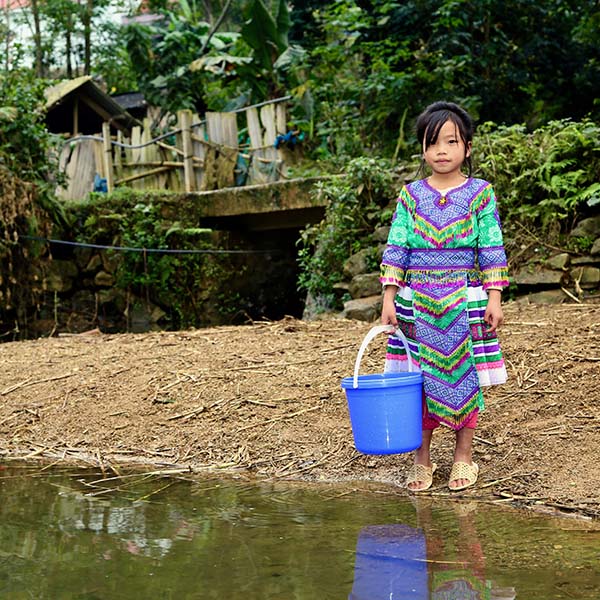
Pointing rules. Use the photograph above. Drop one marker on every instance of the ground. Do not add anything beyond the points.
(265, 400)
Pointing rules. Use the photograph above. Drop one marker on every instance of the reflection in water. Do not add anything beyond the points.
(390, 563)
(85, 536)
(428, 562)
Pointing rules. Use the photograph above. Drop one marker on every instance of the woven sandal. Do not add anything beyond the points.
(462, 470)
(421, 473)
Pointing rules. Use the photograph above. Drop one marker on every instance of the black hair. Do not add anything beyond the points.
(431, 120)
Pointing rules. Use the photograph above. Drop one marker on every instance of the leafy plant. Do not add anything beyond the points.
(185, 286)
(355, 207)
(547, 178)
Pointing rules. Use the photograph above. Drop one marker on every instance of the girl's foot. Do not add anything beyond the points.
(420, 477)
(463, 475)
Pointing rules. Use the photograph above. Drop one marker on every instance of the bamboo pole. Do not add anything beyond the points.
(108, 163)
(185, 122)
(150, 173)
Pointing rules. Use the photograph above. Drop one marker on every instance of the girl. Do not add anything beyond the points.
(443, 271)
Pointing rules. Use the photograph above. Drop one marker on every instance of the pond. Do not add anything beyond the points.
(87, 535)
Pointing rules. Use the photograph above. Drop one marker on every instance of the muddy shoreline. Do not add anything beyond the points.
(264, 400)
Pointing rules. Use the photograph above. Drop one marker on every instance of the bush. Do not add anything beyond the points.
(356, 203)
(546, 179)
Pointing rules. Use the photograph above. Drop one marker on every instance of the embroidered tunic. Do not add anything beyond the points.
(443, 252)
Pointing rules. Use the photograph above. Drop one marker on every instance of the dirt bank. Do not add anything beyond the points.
(266, 399)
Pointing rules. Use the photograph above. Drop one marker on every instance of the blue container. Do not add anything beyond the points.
(391, 564)
(386, 412)
(385, 409)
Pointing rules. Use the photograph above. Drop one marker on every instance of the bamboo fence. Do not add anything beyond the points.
(198, 155)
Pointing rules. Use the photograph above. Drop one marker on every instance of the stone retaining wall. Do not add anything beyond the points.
(557, 277)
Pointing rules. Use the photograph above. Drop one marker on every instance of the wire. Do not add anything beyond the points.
(148, 250)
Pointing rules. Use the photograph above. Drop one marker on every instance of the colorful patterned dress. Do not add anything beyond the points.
(443, 252)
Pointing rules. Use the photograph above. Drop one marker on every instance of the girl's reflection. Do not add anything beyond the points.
(399, 562)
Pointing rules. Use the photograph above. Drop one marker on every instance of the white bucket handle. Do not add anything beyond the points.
(374, 332)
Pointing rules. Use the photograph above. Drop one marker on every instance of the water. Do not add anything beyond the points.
(64, 536)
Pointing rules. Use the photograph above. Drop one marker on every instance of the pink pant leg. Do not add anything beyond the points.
(431, 424)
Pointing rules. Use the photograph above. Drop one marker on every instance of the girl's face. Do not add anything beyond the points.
(446, 155)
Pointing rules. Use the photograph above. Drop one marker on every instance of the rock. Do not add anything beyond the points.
(82, 256)
(585, 260)
(110, 261)
(546, 297)
(364, 285)
(104, 279)
(144, 317)
(596, 247)
(341, 288)
(380, 250)
(544, 277)
(364, 309)
(60, 275)
(93, 264)
(589, 227)
(357, 263)
(381, 234)
(589, 277)
(559, 262)
(115, 297)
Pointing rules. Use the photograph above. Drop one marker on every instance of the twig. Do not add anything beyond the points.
(185, 415)
(28, 382)
(484, 441)
(572, 296)
(283, 417)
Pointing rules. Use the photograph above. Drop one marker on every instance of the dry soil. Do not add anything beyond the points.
(265, 400)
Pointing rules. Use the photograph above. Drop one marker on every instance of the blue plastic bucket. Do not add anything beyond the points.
(385, 409)
(391, 564)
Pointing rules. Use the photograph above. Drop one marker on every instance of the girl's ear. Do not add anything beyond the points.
(468, 149)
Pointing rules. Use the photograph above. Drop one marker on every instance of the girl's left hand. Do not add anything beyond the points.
(494, 317)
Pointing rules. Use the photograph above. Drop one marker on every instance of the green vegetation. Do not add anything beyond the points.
(358, 72)
(357, 205)
(547, 178)
(186, 286)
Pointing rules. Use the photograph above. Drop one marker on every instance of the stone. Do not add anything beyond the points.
(559, 262)
(545, 297)
(341, 288)
(114, 296)
(60, 275)
(585, 260)
(82, 256)
(589, 227)
(541, 277)
(381, 233)
(364, 309)
(93, 264)
(110, 261)
(589, 277)
(364, 285)
(357, 263)
(104, 279)
(596, 247)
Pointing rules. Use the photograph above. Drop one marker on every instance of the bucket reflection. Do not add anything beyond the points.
(440, 559)
(390, 564)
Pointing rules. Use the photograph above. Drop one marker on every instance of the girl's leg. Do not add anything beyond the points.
(422, 454)
(422, 457)
(463, 452)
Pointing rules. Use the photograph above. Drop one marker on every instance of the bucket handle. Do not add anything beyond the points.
(372, 333)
